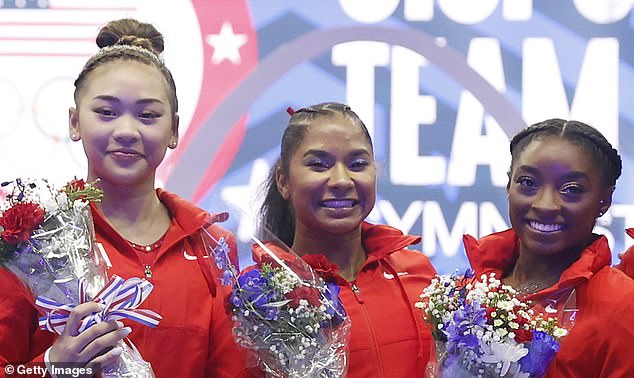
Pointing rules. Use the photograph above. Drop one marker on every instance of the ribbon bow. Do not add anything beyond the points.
(120, 298)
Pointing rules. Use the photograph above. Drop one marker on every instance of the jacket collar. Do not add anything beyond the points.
(379, 241)
(185, 216)
(496, 253)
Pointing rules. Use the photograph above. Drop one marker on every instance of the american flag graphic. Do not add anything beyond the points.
(63, 28)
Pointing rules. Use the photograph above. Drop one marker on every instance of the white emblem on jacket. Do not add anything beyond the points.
(391, 276)
(189, 257)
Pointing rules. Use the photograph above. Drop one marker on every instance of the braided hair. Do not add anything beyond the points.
(129, 39)
(601, 151)
(276, 213)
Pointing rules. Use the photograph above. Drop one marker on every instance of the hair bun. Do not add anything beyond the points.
(131, 32)
(132, 40)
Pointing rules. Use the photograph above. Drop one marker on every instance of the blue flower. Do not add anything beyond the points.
(271, 313)
(253, 289)
(235, 300)
(541, 352)
(336, 310)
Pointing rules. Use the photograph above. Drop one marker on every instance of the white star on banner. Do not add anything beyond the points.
(244, 198)
(226, 44)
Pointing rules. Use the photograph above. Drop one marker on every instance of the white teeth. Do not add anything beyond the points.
(546, 227)
(338, 204)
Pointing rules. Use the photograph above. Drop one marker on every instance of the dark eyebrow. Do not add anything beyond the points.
(320, 153)
(117, 100)
(568, 176)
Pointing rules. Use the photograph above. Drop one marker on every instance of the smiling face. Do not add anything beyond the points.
(331, 180)
(556, 192)
(125, 122)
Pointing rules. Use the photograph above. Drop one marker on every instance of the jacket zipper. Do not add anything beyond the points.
(357, 294)
(148, 271)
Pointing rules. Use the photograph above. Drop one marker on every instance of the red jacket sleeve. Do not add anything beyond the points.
(21, 341)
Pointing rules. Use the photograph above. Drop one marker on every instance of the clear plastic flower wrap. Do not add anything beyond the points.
(47, 240)
(482, 329)
(284, 312)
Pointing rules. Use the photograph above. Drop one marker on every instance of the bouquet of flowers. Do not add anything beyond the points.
(283, 311)
(482, 329)
(46, 239)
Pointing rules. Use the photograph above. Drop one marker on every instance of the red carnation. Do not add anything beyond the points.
(310, 294)
(522, 335)
(320, 264)
(19, 221)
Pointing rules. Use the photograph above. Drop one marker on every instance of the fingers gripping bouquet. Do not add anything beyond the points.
(47, 240)
(482, 329)
(291, 319)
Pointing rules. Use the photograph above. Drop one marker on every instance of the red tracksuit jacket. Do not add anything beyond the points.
(601, 341)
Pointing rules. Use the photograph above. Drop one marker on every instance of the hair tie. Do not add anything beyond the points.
(290, 111)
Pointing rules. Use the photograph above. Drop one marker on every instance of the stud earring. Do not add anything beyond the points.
(74, 137)
(172, 145)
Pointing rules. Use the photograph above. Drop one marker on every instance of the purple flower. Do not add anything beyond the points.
(541, 352)
(470, 315)
(460, 332)
(226, 278)
(221, 261)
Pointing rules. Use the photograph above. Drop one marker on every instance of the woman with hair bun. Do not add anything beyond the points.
(126, 116)
(562, 177)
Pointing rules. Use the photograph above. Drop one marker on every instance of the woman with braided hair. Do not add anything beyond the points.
(126, 116)
(562, 177)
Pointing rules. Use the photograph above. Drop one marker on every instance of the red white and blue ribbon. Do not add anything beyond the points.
(120, 298)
